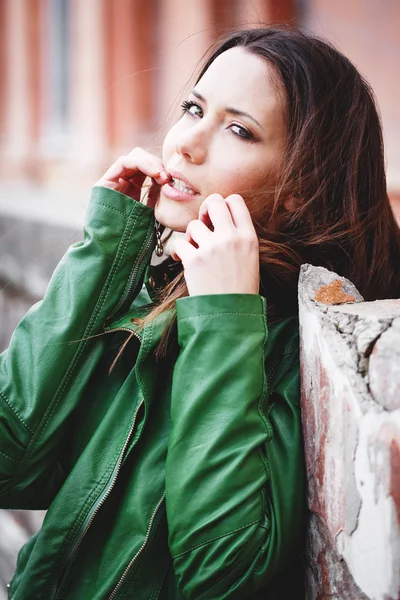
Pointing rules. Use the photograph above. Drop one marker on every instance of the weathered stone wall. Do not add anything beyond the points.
(29, 251)
(16, 528)
(350, 356)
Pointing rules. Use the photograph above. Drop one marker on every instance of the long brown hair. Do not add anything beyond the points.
(340, 216)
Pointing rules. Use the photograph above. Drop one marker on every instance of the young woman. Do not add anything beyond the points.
(159, 424)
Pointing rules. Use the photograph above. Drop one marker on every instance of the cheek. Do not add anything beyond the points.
(168, 145)
(244, 178)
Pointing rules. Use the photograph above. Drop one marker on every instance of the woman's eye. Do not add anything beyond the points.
(241, 132)
(192, 108)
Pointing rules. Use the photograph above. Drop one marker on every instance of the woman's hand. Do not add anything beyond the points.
(220, 252)
(128, 174)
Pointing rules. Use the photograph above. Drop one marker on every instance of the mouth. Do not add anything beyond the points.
(182, 183)
(179, 187)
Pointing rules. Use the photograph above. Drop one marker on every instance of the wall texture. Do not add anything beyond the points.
(350, 357)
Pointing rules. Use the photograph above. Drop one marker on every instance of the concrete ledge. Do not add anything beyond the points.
(351, 418)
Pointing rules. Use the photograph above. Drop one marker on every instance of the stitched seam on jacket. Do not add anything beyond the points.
(272, 372)
(99, 305)
(288, 367)
(155, 594)
(145, 550)
(218, 537)
(223, 578)
(120, 212)
(9, 457)
(264, 391)
(99, 486)
(73, 530)
(124, 294)
(141, 218)
(287, 370)
(15, 412)
(146, 344)
(290, 349)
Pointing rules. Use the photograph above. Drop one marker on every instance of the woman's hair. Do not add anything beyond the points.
(339, 215)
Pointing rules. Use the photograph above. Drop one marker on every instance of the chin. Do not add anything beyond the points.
(174, 215)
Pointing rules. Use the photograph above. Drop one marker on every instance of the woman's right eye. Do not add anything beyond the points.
(192, 108)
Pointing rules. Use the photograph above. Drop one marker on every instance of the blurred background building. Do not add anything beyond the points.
(84, 81)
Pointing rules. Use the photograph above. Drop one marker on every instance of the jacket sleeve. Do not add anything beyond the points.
(52, 351)
(235, 467)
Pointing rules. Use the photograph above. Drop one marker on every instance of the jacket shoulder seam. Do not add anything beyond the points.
(15, 412)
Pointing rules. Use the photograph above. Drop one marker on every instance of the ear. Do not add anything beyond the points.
(290, 202)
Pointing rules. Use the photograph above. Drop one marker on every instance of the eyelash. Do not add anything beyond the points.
(188, 104)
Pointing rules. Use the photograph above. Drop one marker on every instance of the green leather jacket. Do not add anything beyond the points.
(171, 479)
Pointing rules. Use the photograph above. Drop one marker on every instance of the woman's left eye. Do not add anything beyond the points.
(241, 132)
(192, 108)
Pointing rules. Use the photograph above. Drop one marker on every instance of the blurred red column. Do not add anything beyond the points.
(186, 30)
(19, 103)
(129, 60)
(2, 66)
(34, 8)
(269, 12)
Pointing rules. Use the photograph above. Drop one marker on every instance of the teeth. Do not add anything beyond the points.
(182, 187)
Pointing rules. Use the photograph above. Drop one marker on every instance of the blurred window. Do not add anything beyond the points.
(57, 77)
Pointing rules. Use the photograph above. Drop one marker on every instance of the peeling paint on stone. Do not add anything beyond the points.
(333, 293)
(350, 367)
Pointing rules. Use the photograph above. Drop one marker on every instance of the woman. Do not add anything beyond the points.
(160, 425)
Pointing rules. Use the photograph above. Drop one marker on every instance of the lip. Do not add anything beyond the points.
(179, 175)
(170, 192)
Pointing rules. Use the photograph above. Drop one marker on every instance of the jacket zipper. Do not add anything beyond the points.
(128, 568)
(131, 331)
(132, 284)
(90, 517)
(93, 512)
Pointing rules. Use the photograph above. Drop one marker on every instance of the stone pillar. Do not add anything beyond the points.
(350, 357)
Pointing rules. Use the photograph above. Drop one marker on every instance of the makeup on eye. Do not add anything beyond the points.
(242, 132)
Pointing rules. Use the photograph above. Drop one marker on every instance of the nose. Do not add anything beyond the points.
(192, 144)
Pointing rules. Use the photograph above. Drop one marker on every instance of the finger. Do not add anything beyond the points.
(198, 232)
(153, 162)
(181, 249)
(137, 164)
(154, 193)
(240, 213)
(216, 210)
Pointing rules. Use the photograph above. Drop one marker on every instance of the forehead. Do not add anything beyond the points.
(243, 81)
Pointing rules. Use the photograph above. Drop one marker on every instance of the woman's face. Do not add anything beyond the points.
(230, 139)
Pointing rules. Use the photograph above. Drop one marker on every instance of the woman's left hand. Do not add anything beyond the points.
(220, 252)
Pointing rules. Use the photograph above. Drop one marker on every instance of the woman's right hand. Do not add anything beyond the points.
(128, 174)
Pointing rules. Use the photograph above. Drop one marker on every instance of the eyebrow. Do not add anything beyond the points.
(228, 109)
